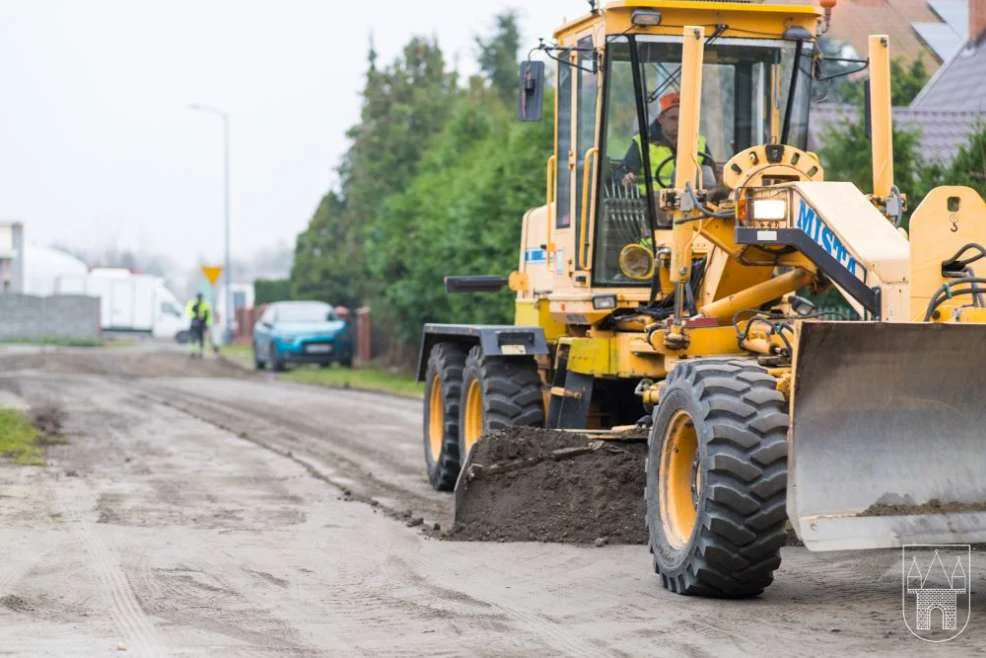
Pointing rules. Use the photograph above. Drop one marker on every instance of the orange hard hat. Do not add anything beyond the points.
(669, 100)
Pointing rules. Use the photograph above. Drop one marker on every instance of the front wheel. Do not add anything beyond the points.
(258, 363)
(276, 362)
(717, 479)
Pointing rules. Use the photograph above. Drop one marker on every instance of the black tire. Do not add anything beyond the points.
(258, 363)
(443, 378)
(739, 423)
(275, 361)
(510, 395)
(346, 361)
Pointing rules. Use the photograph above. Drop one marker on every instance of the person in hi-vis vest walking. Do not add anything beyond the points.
(200, 313)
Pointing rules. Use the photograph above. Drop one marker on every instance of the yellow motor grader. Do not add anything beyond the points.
(668, 276)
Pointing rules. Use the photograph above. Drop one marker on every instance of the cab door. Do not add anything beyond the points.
(586, 72)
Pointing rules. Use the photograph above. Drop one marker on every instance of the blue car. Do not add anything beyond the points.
(301, 332)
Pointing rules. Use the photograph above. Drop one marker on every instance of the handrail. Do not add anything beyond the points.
(549, 196)
(584, 239)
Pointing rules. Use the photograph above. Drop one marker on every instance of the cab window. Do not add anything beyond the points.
(586, 128)
(563, 185)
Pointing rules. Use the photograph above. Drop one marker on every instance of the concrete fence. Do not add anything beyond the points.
(55, 316)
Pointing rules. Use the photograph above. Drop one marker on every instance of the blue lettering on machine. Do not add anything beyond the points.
(815, 228)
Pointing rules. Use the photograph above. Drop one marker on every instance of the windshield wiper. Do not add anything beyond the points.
(673, 77)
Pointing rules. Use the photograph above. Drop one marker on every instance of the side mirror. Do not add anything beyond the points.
(531, 91)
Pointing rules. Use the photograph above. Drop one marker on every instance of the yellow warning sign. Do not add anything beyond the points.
(212, 273)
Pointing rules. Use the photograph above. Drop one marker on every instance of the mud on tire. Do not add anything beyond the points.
(445, 364)
(739, 423)
(509, 395)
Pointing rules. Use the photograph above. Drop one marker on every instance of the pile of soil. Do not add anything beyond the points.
(933, 506)
(48, 419)
(530, 484)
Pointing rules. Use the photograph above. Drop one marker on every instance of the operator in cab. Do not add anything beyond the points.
(663, 140)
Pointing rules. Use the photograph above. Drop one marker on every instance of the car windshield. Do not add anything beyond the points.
(305, 313)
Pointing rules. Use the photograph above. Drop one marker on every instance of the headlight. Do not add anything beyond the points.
(768, 209)
(604, 302)
(636, 262)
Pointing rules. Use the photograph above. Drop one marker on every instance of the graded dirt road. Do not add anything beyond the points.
(199, 510)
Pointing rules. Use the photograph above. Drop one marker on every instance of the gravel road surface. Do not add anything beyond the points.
(200, 510)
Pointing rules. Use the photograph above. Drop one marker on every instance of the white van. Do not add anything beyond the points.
(129, 302)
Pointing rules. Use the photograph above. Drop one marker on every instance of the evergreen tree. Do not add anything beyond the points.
(969, 166)
(498, 56)
(323, 266)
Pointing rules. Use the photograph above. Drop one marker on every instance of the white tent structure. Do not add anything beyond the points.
(43, 266)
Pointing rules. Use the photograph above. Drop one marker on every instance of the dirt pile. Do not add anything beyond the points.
(933, 506)
(530, 484)
(48, 419)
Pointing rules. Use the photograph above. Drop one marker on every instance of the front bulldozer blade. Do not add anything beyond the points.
(888, 435)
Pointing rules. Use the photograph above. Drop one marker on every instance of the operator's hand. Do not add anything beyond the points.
(630, 179)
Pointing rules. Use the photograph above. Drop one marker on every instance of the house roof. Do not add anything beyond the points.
(958, 85)
(946, 37)
(853, 21)
(943, 132)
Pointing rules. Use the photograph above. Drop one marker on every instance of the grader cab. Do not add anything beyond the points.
(662, 287)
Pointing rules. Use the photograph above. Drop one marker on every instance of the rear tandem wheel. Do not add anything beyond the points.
(717, 479)
(443, 391)
(498, 392)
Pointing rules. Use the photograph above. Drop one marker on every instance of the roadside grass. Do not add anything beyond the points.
(361, 379)
(20, 440)
(377, 380)
(241, 354)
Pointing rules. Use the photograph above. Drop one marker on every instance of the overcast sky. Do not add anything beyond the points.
(98, 148)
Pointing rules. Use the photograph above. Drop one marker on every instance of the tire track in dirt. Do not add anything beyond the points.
(554, 636)
(134, 625)
(137, 631)
(341, 473)
(367, 604)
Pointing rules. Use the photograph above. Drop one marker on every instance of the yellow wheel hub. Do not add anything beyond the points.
(473, 413)
(436, 418)
(680, 479)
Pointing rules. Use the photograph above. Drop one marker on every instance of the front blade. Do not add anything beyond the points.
(888, 435)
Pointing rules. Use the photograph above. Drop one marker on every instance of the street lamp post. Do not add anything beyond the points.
(227, 273)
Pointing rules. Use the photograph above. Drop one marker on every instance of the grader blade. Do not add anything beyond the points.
(888, 435)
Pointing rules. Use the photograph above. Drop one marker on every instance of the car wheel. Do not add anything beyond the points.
(346, 361)
(275, 361)
(257, 362)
